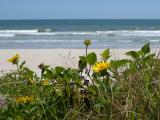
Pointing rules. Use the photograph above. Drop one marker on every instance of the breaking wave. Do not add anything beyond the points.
(49, 32)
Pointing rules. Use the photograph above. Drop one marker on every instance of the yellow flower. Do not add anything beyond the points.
(24, 99)
(100, 66)
(45, 82)
(14, 59)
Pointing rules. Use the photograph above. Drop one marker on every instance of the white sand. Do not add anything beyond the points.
(53, 57)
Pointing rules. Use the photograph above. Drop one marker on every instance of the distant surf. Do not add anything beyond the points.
(71, 33)
(12, 33)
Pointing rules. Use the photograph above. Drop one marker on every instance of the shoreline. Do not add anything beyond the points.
(54, 57)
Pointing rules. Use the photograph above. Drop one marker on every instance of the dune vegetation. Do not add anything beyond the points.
(105, 89)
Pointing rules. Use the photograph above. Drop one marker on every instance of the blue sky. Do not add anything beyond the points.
(79, 9)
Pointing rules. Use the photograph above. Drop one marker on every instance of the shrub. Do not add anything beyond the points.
(115, 89)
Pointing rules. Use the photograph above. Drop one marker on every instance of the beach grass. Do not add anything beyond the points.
(105, 89)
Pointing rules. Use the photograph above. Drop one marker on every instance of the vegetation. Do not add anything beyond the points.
(127, 89)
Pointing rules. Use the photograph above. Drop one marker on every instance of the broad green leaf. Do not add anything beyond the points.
(82, 62)
(133, 54)
(59, 70)
(49, 74)
(91, 58)
(119, 63)
(150, 56)
(146, 49)
(105, 55)
(29, 73)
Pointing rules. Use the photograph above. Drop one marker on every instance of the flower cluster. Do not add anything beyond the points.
(24, 99)
(14, 59)
(100, 66)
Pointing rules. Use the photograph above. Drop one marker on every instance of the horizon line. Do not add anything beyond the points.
(87, 19)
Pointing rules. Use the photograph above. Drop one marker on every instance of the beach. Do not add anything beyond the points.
(54, 57)
(60, 42)
(79, 60)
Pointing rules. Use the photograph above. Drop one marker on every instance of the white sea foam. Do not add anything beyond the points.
(48, 32)
(7, 35)
(19, 31)
(40, 41)
(12, 33)
(156, 41)
(125, 41)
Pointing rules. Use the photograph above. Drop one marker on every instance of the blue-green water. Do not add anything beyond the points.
(113, 33)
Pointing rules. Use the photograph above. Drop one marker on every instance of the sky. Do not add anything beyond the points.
(79, 9)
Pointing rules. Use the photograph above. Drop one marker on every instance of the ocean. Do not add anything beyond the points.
(104, 33)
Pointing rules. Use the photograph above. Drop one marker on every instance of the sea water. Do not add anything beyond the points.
(104, 33)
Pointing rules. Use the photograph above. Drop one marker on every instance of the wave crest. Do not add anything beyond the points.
(49, 32)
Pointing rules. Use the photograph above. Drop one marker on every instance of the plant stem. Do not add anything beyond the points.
(89, 74)
(17, 66)
(86, 49)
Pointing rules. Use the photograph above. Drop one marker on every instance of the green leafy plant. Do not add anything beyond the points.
(102, 90)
